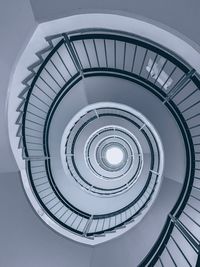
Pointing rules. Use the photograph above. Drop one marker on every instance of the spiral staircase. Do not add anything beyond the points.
(105, 117)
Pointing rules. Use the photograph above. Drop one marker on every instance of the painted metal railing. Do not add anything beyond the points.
(68, 59)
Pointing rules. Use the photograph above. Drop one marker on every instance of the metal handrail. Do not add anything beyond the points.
(150, 84)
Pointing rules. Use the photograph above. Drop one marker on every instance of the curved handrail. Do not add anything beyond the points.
(167, 98)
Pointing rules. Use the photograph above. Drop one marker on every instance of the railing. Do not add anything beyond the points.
(71, 57)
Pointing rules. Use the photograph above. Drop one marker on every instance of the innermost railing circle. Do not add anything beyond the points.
(112, 154)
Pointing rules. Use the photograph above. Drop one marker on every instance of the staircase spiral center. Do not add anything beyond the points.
(114, 155)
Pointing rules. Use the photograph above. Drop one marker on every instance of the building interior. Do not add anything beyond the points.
(100, 133)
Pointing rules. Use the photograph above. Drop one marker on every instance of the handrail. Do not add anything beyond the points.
(189, 75)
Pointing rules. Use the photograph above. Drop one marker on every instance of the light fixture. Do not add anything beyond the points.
(114, 155)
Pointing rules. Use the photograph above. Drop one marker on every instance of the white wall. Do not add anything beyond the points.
(16, 26)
